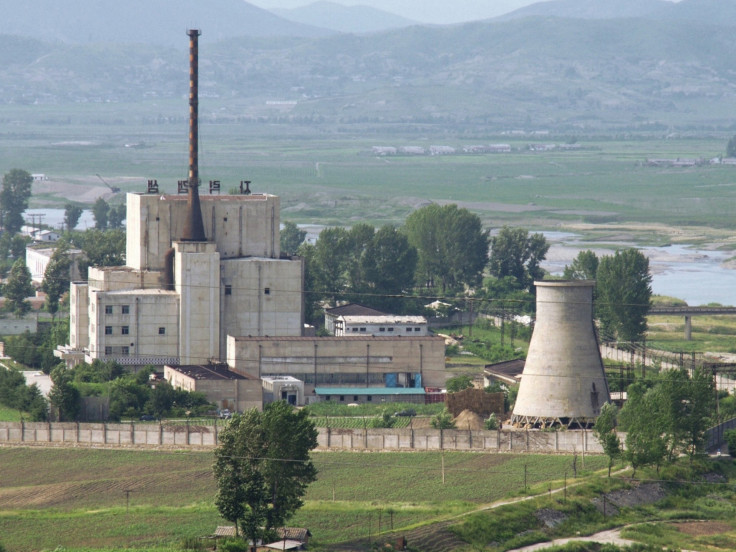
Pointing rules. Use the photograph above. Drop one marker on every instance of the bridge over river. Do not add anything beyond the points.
(689, 312)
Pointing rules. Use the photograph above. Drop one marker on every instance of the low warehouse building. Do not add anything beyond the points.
(225, 388)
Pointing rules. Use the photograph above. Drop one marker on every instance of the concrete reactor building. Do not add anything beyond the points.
(563, 383)
(197, 270)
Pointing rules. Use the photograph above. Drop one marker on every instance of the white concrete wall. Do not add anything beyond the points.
(79, 315)
(240, 225)
(197, 280)
(265, 298)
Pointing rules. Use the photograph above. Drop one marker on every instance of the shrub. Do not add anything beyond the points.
(233, 545)
(491, 422)
(730, 436)
(443, 420)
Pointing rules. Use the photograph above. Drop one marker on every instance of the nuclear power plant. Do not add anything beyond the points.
(563, 383)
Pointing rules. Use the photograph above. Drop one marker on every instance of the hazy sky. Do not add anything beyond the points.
(423, 11)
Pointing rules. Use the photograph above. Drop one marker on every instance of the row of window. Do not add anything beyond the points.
(124, 309)
(123, 351)
(383, 329)
(229, 290)
(368, 398)
(125, 330)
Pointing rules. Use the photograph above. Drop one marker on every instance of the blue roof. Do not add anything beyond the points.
(369, 391)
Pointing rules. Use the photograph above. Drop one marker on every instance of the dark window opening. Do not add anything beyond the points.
(369, 398)
(228, 289)
(125, 351)
(126, 309)
(125, 330)
(108, 350)
(162, 331)
(108, 330)
(342, 397)
(267, 291)
(108, 309)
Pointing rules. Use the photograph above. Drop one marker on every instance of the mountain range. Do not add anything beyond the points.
(344, 19)
(663, 69)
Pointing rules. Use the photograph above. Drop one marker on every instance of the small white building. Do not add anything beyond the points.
(37, 260)
(283, 388)
(388, 325)
(40, 235)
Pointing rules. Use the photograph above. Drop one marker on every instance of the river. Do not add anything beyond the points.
(698, 276)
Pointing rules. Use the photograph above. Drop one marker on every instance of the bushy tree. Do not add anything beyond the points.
(646, 443)
(64, 396)
(605, 431)
(18, 288)
(624, 291)
(263, 467)
(451, 244)
(583, 267)
(443, 420)
(387, 267)
(56, 278)
(16, 192)
(72, 214)
(516, 254)
(458, 383)
(100, 211)
(291, 238)
(116, 216)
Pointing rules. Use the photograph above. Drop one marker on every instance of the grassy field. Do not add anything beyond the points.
(78, 497)
(332, 177)
(709, 334)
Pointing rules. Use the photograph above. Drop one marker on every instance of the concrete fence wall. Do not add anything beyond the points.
(168, 435)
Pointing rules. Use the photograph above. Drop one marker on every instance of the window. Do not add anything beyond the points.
(355, 398)
(267, 291)
(390, 329)
(228, 289)
(108, 309)
(125, 330)
(125, 351)
(355, 329)
(381, 329)
(362, 329)
(416, 329)
(342, 398)
(126, 309)
(108, 330)
(162, 331)
(369, 398)
(108, 350)
(408, 329)
(327, 398)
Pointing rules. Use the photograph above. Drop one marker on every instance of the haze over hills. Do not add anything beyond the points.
(344, 19)
(565, 74)
(143, 21)
(590, 9)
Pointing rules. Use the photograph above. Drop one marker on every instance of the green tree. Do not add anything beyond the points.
(517, 254)
(605, 431)
(731, 147)
(100, 211)
(291, 238)
(646, 443)
(330, 262)
(583, 267)
(56, 278)
(388, 265)
(624, 291)
(730, 435)
(458, 383)
(64, 396)
(443, 420)
(14, 198)
(18, 288)
(101, 247)
(262, 467)
(115, 217)
(312, 296)
(72, 214)
(451, 244)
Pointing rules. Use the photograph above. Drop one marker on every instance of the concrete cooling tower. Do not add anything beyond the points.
(563, 383)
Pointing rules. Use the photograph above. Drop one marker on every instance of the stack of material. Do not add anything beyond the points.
(476, 400)
(468, 420)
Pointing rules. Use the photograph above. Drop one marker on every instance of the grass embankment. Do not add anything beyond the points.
(709, 334)
(77, 498)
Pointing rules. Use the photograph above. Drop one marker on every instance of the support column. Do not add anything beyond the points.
(688, 328)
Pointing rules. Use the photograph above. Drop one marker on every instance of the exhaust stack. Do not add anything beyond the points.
(194, 226)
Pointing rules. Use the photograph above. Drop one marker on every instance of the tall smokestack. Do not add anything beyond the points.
(194, 226)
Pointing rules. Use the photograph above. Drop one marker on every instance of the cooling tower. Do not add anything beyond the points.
(563, 383)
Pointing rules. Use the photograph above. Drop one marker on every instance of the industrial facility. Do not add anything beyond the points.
(206, 284)
(563, 383)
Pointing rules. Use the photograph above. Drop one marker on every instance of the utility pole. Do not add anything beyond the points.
(127, 498)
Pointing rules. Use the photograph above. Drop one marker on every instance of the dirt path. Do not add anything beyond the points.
(611, 536)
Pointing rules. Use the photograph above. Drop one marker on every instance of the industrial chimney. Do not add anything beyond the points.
(193, 226)
(563, 383)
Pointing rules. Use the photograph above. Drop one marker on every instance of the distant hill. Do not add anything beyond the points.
(344, 19)
(589, 9)
(143, 21)
(717, 12)
(571, 75)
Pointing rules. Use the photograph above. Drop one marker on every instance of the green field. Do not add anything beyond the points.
(77, 498)
(329, 176)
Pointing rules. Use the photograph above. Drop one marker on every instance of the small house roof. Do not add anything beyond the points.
(353, 309)
(369, 391)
